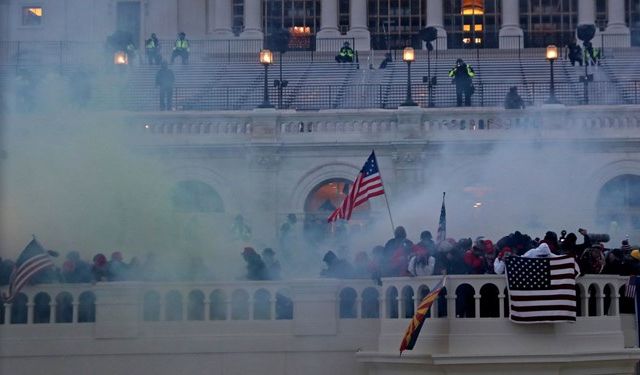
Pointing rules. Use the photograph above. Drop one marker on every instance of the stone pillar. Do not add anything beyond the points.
(435, 18)
(511, 35)
(162, 19)
(587, 16)
(358, 25)
(328, 20)
(617, 33)
(222, 16)
(252, 20)
(117, 310)
(315, 311)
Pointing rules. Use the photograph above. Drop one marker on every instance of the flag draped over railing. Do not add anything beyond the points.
(33, 260)
(411, 335)
(368, 184)
(542, 290)
(442, 223)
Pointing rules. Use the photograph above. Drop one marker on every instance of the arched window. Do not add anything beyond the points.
(392, 303)
(218, 305)
(196, 196)
(408, 304)
(619, 202)
(87, 307)
(240, 305)
(465, 302)
(489, 301)
(64, 308)
(261, 305)
(41, 308)
(284, 304)
(173, 306)
(151, 307)
(370, 303)
(348, 303)
(593, 300)
(195, 307)
(19, 309)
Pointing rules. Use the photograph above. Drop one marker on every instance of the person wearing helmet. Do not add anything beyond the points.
(345, 54)
(181, 49)
(462, 75)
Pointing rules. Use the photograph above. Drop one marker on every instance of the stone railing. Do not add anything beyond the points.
(586, 122)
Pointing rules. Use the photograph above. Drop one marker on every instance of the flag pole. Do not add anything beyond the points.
(393, 227)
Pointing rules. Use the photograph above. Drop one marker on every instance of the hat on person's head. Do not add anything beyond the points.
(248, 251)
(329, 256)
(425, 235)
(459, 61)
(635, 254)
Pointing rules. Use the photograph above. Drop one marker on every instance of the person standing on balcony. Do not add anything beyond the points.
(345, 54)
(152, 49)
(513, 100)
(165, 80)
(462, 75)
(181, 49)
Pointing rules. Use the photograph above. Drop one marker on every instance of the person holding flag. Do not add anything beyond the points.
(33, 262)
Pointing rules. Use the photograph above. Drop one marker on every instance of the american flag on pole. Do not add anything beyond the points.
(630, 287)
(442, 224)
(542, 290)
(410, 337)
(31, 261)
(368, 184)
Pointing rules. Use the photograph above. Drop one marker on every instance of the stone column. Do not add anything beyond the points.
(328, 23)
(587, 16)
(222, 15)
(617, 33)
(511, 35)
(252, 20)
(435, 18)
(358, 25)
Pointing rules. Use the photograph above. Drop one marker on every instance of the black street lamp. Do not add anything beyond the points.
(552, 55)
(266, 58)
(408, 56)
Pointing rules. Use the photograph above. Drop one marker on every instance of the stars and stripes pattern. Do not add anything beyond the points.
(368, 184)
(442, 224)
(411, 335)
(31, 261)
(542, 290)
(630, 287)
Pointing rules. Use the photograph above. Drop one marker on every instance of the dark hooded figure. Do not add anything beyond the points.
(394, 251)
(336, 268)
(513, 100)
(462, 75)
(256, 269)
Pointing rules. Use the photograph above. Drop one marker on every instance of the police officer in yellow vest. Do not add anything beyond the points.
(152, 49)
(181, 49)
(462, 75)
(345, 54)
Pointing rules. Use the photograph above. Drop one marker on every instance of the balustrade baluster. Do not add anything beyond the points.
(30, 306)
(74, 318)
(207, 309)
(501, 304)
(476, 299)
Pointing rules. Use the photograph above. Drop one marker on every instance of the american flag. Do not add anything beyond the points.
(630, 288)
(368, 184)
(31, 261)
(542, 290)
(442, 224)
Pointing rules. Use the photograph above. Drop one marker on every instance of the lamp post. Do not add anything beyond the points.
(120, 58)
(408, 56)
(266, 58)
(552, 55)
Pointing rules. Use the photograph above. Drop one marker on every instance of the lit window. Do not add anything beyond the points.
(472, 7)
(466, 28)
(31, 16)
(478, 40)
(477, 27)
(466, 40)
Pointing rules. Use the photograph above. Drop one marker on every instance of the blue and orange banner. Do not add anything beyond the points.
(410, 337)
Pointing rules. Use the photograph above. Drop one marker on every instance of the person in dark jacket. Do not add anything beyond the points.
(152, 49)
(336, 267)
(513, 99)
(462, 75)
(165, 80)
(256, 269)
(574, 53)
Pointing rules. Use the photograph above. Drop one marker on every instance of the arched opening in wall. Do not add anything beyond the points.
(262, 305)
(321, 202)
(348, 298)
(240, 305)
(218, 305)
(465, 302)
(195, 305)
(579, 294)
(626, 305)
(391, 299)
(408, 304)
(87, 307)
(151, 307)
(41, 308)
(506, 305)
(192, 196)
(442, 303)
(64, 308)
(423, 290)
(19, 309)
(284, 304)
(489, 301)
(173, 306)
(608, 293)
(593, 300)
(370, 304)
(618, 205)
(2, 313)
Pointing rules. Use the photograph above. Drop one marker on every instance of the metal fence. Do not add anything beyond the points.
(321, 97)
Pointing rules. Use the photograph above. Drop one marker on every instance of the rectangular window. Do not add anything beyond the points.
(32, 16)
